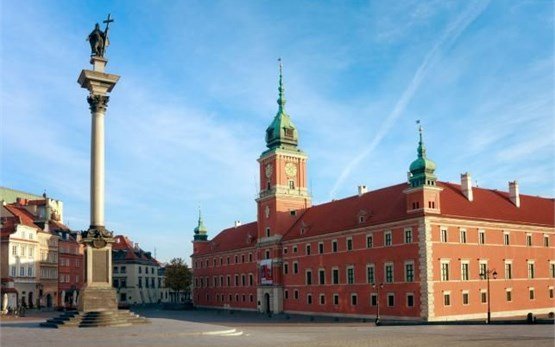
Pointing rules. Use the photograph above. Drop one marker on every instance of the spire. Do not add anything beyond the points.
(422, 170)
(281, 99)
(200, 230)
(282, 132)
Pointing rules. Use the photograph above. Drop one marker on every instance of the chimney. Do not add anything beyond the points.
(237, 223)
(513, 193)
(362, 190)
(466, 186)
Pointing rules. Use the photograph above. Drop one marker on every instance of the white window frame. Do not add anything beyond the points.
(373, 267)
(510, 275)
(409, 262)
(481, 235)
(407, 300)
(385, 265)
(408, 230)
(467, 293)
(467, 263)
(441, 276)
(447, 293)
(385, 238)
(350, 267)
(463, 236)
(444, 234)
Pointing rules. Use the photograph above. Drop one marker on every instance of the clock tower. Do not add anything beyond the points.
(283, 187)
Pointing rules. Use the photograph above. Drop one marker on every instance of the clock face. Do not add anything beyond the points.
(268, 170)
(290, 169)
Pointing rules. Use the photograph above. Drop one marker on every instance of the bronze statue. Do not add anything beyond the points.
(98, 39)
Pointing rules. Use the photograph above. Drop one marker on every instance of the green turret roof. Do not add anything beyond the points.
(200, 231)
(281, 133)
(422, 170)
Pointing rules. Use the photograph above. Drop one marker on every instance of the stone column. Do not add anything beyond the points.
(98, 294)
(98, 104)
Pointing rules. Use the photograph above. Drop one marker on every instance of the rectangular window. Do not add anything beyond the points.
(531, 272)
(349, 244)
(552, 266)
(286, 294)
(374, 299)
(251, 279)
(551, 293)
(296, 294)
(14, 250)
(463, 235)
(483, 268)
(509, 294)
(308, 277)
(481, 237)
(465, 298)
(322, 276)
(532, 294)
(371, 273)
(295, 249)
(445, 271)
(322, 299)
(387, 238)
(307, 249)
(285, 268)
(320, 247)
(506, 238)
(335, 276)
(508, 271)
(528, 239)
(483, 297)
(309, 299)
(446, 299)
(369, 241)
(444, 235)
(408, 235)
(336, 299)
(295, 267)
(21, 271)
(388, 273)
(236, 280)
(390, 299)
(350, 275)
(546, 240)
(464, 272)
(334, 246)
(410, 300)
(354, 299)
(409, 272)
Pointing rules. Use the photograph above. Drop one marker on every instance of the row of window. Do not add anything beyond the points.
(218, 281)
(30, 235)
(388, 273)
(49, 273)
(220, 261)
(445, 265)
(123, 269)
(22, 272)
(23, 251)
(390, 298)
(465, 296)
(69, 262)
(349, 243)
(444, 237)
(66, 278)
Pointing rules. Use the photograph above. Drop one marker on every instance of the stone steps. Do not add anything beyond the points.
(110, 318)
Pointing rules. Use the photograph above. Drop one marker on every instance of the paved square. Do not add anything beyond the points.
(212, 328)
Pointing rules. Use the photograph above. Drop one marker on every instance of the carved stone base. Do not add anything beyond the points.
(97, 299)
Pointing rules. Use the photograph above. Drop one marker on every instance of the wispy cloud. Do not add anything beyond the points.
(449, 36)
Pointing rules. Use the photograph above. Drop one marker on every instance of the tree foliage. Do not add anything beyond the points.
(178, 275)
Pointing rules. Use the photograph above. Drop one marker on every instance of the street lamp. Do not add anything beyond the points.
(485, 275)
(377, 301)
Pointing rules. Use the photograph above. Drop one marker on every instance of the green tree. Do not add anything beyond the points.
(178, 276)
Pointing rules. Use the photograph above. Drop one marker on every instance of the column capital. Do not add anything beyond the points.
(98, 103)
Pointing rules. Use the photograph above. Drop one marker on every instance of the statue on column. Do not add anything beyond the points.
(98, 39)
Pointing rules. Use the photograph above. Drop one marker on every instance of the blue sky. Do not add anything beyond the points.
(198, 87)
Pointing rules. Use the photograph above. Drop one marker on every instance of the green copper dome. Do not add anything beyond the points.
(200, 231)
(422, 170)
(281, 133)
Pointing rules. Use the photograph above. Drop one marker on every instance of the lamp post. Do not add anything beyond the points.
(485, 275)
(377, 287)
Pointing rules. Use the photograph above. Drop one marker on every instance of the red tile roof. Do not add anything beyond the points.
(124, 245)
(233, 238)
(389, 205)
(495, 205)
(24, 216)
